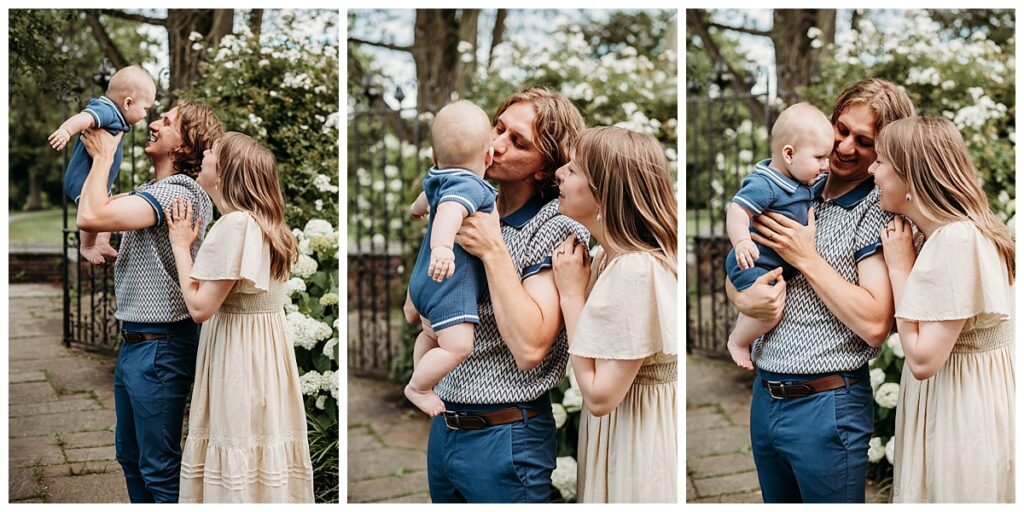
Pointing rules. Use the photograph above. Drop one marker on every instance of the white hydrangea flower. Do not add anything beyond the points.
(295, 284)
(875, 449)
(290, 308)
(877, 378)
(320, 401)
(572, 400)
(887, 395)
(330, 383)
(310, 383)
(318, 204)
(304, 266)
(329, 348)
(890, 450)
(895, 345)
(564, 477)
(304, 247)
(318, 227)
(560, 415)
(306, 332)
(322, 182)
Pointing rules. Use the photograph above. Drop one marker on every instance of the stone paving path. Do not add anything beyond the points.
(387, 444)
(61, 409)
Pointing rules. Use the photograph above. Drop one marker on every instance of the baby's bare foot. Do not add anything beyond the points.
(740, 355)
(93, 255)
(106, 250)
(427, 401)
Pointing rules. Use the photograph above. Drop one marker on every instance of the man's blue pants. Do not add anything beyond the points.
(509, 463)
(812, 449)
(151, 384)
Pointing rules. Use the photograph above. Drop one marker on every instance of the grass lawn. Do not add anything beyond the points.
(42, 227)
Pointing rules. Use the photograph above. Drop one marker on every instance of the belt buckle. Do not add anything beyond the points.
(449, 416)
(774, 385)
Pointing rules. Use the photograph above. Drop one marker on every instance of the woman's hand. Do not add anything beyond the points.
(793, 242)
(898, 246)
(180, 228)
(571, 265)
(480, 234)
(99, 143)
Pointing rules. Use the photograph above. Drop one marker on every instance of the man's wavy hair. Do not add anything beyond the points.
(556, 126)
(200, 128)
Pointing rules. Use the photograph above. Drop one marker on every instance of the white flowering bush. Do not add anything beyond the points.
(886, 370)
(961, 75)
(284, 93)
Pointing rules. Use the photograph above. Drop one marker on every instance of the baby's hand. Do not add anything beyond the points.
(746, 254)
(418, 213)
(59, 138)
(442, 263)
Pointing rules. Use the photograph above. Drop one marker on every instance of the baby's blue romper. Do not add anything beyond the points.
(453, 300)
(767, 189)
(105, 115)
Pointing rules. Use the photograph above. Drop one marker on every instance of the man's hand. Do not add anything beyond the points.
(761, 300)
(99, 143)
(59, 138)
(442, 263)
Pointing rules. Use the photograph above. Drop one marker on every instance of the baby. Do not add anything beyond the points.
(802, 140)
(446, 281)
(129, 95)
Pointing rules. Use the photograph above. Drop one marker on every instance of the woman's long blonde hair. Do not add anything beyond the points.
(930, 155)
(249, 182)
(629, 176)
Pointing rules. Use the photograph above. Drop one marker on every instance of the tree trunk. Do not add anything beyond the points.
(435, 51)
(107, 44)
(256, 22)
(796, 62)
(35, 192)
(468, 23)
(212, 24)
(497, 33)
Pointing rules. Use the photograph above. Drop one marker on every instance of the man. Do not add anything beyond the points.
(495, 441)
(157, 357)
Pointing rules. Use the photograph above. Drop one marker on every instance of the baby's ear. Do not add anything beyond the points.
(787, 153)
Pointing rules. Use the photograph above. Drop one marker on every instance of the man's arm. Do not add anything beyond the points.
(76, 123)
(98, 212)
(867, 307)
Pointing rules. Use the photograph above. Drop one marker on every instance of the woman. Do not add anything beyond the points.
(955, 415)
(811, 415)
(247, 427)
(620, 314)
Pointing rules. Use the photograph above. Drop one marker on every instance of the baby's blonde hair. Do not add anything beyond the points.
(131, 81)
(797, 123)
(929, 154)
(460, 135)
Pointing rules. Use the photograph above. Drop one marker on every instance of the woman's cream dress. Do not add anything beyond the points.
(247, 427)
(629, 455)
(955, 431)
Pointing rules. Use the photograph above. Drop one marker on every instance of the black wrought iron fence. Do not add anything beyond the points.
(724, 139)
(385, 164)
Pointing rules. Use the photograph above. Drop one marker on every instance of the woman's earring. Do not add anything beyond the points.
(909, 197)
(598, 216)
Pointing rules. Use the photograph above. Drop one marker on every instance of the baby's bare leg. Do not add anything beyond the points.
(743, 335)
(426, 341)
(454, 345)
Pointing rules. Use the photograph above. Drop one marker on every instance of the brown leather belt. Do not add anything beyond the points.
(135, 337)
(781, 391)
(478, 420)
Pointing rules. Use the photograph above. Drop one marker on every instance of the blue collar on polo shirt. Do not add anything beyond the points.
(520, 217)
(781, 180)
(849, 199)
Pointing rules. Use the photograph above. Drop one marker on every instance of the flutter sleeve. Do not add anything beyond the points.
(958, 275)
(630, 312)
(235, 249)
